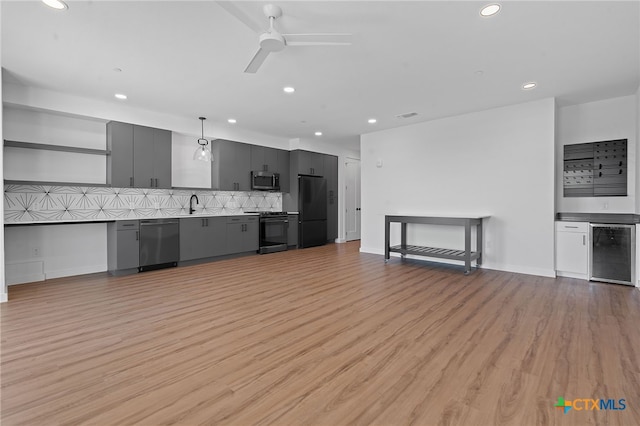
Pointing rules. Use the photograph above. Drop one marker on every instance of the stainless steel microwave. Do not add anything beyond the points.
(265, 181)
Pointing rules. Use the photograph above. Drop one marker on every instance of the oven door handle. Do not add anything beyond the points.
(272, 220)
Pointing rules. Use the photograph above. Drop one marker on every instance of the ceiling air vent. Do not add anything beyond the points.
(407, 115)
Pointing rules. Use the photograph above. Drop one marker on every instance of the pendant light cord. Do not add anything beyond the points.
(202, 141)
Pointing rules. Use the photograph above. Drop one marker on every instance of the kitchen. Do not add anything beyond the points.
(480, 153)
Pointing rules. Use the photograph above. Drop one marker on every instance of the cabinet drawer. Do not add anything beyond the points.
(123, 225)
(562, 226)
(242, 219)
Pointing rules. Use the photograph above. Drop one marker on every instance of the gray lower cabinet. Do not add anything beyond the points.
(292, 231)
(123, 246)
(231, 168)
(202, 237)
(242, 234)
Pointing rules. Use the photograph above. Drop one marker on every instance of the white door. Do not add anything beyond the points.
(352, 199)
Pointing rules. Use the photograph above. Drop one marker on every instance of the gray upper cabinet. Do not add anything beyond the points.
(231, 169)
(140, 156)
(120, 162)
(331, 175)
(310, 163)
(271, 160)
(283, 168)
(264, 159)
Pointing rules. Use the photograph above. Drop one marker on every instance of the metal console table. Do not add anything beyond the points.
(465, 255)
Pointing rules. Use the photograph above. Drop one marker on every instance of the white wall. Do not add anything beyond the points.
(3, 284)
(38, 252)
(638, 161)
(41, 99)
(499, 161)
(185, 172)
(592, 122)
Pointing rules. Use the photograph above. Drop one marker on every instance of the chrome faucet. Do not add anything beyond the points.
(191, 209)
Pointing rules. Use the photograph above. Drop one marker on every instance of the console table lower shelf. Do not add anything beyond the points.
(466, 256)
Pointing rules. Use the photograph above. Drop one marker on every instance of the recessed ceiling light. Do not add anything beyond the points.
(232, 121)
(372, 121)
(490, 10)
(318, 133)
(289, 89)
(121, 96)
(55, 4)
(529, 86)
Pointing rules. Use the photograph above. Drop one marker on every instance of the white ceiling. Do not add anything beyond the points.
(436, 58)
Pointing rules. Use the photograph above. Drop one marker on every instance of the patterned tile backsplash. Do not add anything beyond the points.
(35, 203)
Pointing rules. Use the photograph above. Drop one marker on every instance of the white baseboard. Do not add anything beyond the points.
(4, 297)
(24, 271)
(26, 278)
(90, 269)
(340, 240)
(572, 275)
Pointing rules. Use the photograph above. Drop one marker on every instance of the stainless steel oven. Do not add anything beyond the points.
(273, 232)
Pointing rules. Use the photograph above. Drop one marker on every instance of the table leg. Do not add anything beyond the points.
(386, 239)
(467, 248)
(403, 237)
(479, 242)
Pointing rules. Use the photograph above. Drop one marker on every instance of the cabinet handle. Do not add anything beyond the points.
(131, 181)
(156, 182)
(137, 235)
(151, 183)
(202, 222)
(207, 221)
(584, 240)
(567, 226)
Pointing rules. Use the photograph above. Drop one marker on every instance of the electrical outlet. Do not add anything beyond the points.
(605, 206)
(36, 251)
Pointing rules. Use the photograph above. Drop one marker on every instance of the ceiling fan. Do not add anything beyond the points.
(272, 41)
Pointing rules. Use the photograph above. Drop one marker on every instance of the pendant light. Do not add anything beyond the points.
(203, 153)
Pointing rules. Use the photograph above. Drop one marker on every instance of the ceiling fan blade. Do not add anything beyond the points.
(237, 13)
(317, 39)
(257, 61)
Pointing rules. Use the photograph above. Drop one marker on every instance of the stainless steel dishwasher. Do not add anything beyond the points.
(612, 253)
(159, 243)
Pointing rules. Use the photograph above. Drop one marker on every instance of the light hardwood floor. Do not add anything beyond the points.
(324, 336)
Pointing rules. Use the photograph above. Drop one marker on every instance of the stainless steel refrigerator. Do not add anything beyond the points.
(312, 209)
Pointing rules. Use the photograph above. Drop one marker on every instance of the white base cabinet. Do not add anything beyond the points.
(572, 249)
